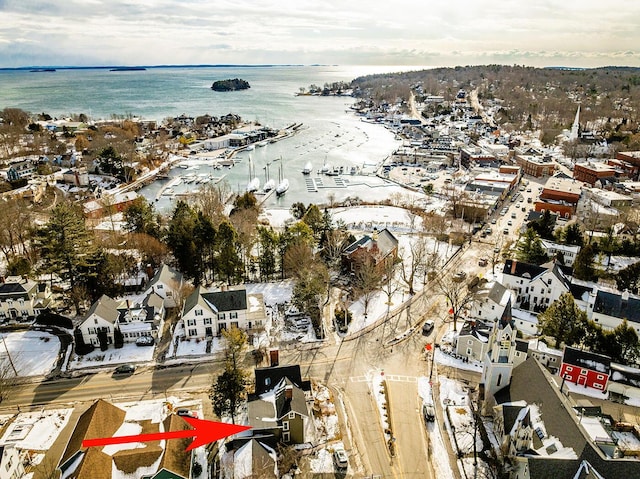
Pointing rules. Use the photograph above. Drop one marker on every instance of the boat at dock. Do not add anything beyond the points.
(308, 168)
(282, 187)
(262, 143)
(268, 186)
(253, 185)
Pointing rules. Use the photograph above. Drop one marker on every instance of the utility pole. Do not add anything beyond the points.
(15, 372)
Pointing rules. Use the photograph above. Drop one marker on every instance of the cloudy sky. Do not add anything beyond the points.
(363, 32)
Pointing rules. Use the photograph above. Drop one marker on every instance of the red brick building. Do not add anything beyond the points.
(537, 166)
(590, 172)
(560, 196)
(585, 368)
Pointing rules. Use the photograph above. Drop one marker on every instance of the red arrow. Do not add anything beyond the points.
(204, 432)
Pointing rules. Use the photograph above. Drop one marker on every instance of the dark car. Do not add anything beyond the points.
(145, 341)
(427, 327)
(125, 369)
(428, 412)
(186, 413)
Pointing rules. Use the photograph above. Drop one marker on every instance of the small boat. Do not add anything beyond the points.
(268, 186)
(282, 187)
(326, 168)
(262, 143)
(253, 186)
(251, 147)
(353, 170)
(307, 169)
(183, 166)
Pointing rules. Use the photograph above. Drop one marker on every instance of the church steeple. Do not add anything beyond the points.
(498, 363)
(575, 128)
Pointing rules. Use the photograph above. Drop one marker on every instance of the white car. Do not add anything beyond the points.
(340, 458)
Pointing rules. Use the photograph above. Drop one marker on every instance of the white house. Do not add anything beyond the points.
(167, 283)
(101, 317)
(492, 299)
(567, 251)
(137, 319)
(536, 287)
(609, 308)
(22, 299)
(11, 462)
(207, 313)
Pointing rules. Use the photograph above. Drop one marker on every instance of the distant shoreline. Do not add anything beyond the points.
(110, 67)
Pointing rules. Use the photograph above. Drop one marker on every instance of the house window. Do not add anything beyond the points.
(234, 324)
(233, 315)
(191, 322)
(292, 415)
(207, 320)
(470, 342)
(286, 436)
(493, 306)
(469, 351)
(532, 289)
(597, 386)
(569, 369)
(583, 372)
(92, 330)
(198, 312)
(95, 320)
(499, 380)
(221, 316)
(193, 332)
(600, 377)
(285, 426)
(159, 286)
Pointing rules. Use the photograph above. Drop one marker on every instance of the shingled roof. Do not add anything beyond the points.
(531, 383)
(586, 360)
(618, 305)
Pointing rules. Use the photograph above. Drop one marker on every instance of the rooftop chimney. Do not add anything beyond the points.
(514, 262)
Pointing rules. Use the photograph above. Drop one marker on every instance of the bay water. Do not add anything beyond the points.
(331, 133)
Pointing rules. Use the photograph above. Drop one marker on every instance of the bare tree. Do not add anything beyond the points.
(212, 200)
(419, 261)
(366, 281)
(457, 294)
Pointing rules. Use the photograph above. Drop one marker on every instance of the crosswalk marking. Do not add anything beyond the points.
(389, 377)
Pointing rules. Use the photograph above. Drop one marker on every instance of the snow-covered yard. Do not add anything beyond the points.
(129, 353)
(33, 353)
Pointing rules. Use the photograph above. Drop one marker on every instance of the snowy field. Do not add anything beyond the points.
(129, 353)
(33, 353)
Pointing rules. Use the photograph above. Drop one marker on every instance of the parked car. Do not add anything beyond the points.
(186, 412)
(124, 369)
(145, 341)
(483, 262)
(505, 231)
(340, 458)
(427, 327)
(459, 276)
(513, 215)
(428, 412)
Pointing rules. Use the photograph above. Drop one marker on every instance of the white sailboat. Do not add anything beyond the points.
(283, 186)
(269, 185)
(307, 169)
(254, 181)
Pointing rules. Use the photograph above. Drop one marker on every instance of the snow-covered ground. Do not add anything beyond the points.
(36, 431)
(129, 353)
(33, 353)
(444, 359)
(439, 455)
(376, 380)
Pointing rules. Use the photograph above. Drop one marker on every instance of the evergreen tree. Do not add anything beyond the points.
(573, 235)
(268, 239)
(229, 389)
(140, 217)
(583, 264)
(66, 247)
(118, 338)
(181, 241)
(529, 248)
(564, 321)
(229, 261)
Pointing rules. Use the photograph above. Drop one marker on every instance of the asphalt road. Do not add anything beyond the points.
(345, 365)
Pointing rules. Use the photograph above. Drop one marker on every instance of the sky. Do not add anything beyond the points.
(583, 33)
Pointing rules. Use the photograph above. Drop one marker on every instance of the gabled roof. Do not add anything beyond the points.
(478, 329)
(385, 241)
(166, 275)
(216, 301)
(613, 304)
(529, 382)
(267, 378)
(105, 308)
(254, 459)
(16, 287)
(175, 459)
(514, 267)
(195, 299)
(587, 360)
(233, 300)
(102, 419)
(285, 404)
